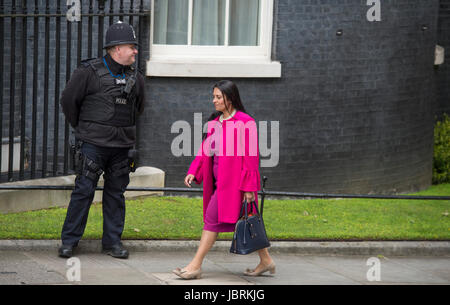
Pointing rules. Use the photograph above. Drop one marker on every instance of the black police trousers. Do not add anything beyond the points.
(116, 180)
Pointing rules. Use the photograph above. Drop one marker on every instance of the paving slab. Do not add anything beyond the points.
(18, 267)
(208, 278)
(392, 270)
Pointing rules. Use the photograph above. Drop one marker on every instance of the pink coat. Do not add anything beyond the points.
(238, 169)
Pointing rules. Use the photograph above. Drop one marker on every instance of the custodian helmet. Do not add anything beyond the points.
(120, 33)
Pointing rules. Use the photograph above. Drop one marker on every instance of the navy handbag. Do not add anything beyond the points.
(249, 233)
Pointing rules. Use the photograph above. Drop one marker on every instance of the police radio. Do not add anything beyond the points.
(131, 81)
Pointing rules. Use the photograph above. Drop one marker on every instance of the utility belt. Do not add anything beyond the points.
(83, 166)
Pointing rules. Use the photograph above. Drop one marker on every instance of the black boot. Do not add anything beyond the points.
(65, 251)
(117, 251)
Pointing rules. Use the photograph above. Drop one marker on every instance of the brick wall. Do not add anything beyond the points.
(355, 111)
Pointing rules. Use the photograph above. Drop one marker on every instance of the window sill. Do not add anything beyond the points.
(218, 68)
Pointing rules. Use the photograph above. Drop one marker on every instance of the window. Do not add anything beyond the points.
(212, 38)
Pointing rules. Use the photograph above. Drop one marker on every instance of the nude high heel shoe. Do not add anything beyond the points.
(197, 274)
(270, 268)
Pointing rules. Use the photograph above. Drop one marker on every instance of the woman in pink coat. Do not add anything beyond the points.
(227, 164)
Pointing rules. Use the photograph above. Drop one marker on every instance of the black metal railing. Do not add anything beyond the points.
(199, 190)
(263, 192)
(40, 49)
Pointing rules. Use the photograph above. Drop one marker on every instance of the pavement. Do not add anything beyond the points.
(35, 262)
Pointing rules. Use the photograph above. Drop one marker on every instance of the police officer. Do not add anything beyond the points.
(100, 102)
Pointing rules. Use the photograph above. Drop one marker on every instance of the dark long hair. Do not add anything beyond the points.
(231, 93)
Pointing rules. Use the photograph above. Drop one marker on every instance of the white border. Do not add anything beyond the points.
(217, 61)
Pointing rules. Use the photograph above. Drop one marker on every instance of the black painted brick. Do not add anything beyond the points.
(356, 112)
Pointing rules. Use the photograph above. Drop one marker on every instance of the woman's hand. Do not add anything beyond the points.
(188, 180)
(249, 196)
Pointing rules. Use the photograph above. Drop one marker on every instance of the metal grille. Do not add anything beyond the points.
(41, 47)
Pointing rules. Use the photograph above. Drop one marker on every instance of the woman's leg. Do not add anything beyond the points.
(264, 256)
(206, 242)
(264, 260)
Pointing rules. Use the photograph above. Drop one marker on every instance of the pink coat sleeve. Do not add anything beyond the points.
(250, 180)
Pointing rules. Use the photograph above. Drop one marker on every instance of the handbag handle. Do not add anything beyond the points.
(245, 204)
(244, 209)
(253, 205)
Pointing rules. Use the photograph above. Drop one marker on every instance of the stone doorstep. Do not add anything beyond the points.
(12, 201)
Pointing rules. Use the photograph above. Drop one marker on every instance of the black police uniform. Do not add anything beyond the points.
(104, 119)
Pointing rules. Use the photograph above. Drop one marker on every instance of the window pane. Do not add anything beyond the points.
(244, 22)
(171, 21)
(208, 24)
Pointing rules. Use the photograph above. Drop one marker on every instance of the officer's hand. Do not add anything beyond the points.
(188, 180)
